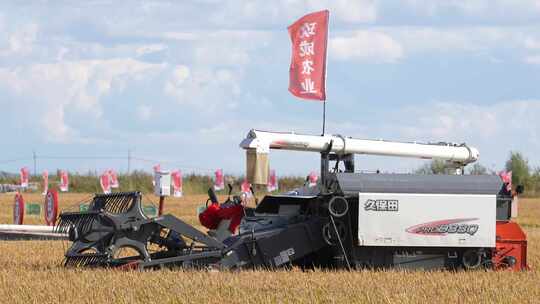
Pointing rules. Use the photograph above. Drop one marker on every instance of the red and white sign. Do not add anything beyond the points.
(18, 209)
(51, 207)
(176, 179)
(113, 179)
(312, 179)
(272, 181)
(307, 73)
(24, 177)
(45, 176)
(219, 182)
(245, 187)
(64, 180)
(104, 181)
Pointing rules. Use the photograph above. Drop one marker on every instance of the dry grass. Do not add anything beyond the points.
(30, 272)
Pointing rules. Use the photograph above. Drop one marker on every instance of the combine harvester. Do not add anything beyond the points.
(349, 220)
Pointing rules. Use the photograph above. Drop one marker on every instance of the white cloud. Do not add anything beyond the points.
(393, 43)
(54, 91)
(532, 43)
(366, 46)
(493, 9)
(150, 48)
(495, 129)
(535, 59)
(263, 12)
(19, 41)
(144, 112)
(206, 89)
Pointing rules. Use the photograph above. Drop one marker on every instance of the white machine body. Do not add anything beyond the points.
(426, 220)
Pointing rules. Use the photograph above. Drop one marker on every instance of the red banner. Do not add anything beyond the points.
(308, 63)
(272, 181)
(176, 178)
(219, 182)
(113, 179)
(104, 181)
(246, 188)
(25, 173)
(312, 179)
(64, 180)
(506, 177)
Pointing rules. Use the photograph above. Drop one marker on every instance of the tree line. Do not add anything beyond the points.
(522, 172)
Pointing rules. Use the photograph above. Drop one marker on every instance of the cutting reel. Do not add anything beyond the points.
(116, 232)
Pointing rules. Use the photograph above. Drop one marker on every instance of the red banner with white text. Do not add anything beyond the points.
(308, 62)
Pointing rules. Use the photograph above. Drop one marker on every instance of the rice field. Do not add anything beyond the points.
(30, 272)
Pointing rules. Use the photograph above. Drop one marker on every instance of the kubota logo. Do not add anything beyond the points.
(444, 227)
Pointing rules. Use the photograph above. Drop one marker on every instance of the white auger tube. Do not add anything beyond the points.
(258, 144)
(263, 141)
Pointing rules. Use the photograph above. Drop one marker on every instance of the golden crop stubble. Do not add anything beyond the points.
(30, 272)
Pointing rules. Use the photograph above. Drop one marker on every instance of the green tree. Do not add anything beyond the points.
(477, 169)
(436, 166)
(519, 166)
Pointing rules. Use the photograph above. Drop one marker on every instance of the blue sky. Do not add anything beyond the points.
(183, 81)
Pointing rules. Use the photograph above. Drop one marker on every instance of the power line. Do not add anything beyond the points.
(6, 161)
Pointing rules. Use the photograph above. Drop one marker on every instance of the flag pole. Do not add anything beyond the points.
(325, 72)
(323, 116)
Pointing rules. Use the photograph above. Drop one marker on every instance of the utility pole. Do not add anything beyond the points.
(129, 162)
(35, 162)
(129, 168)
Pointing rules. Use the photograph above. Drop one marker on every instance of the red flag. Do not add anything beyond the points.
(104, 181)
(45, 182)
(272, 182)
(64, 181)
(312, 179)
(219, 183)
(506, 177)
(308, 62)
(176, 178)
(113, 179)
(24, 177)
(246, 188)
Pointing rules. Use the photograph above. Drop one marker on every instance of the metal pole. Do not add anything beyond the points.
(323, 117)
(129, 169)
(129, 161)
(161, 205)
(35, 166)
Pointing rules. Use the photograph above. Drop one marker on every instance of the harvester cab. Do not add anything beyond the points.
(348, 219)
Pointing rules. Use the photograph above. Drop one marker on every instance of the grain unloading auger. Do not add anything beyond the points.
(348, 220)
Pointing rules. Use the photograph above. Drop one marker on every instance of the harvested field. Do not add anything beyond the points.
(30, 272)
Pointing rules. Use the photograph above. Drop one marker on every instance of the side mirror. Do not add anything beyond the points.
(212, 196)
(520, 189)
